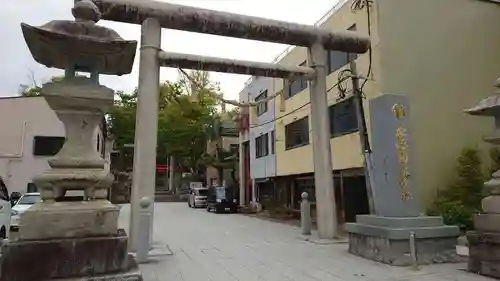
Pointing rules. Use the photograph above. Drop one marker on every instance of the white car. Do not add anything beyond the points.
(4, 211)
(23, 204)
(198, 197)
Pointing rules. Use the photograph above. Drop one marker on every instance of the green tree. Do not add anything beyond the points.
(184, 115)
(182, 124)
(35, 89)
(462, 199)
(495, 160)
(31, 91)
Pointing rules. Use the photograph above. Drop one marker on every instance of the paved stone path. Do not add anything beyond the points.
(220, 247)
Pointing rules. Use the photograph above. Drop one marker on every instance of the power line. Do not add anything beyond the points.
(360, 5)
(231, 102)
(297, 109)
(356, 5)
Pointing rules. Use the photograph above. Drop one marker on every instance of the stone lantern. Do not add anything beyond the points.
(67, 236)
(484, 242)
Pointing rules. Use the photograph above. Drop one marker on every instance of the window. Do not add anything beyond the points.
(220, 193)
(304, 185)
(297, 133)
(337, 59)
(261, 107)
(262, 146)
(29, 199)
(98, 142)
(31, 187)
(343, 119)
(273, 141)
(47, 146)
(296, 86)
(202, 192)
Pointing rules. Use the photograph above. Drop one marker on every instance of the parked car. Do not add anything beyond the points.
(198, 198)
(5, 208)
(23, 204)
(221, 199)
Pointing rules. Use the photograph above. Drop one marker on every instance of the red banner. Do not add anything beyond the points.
(162, 168)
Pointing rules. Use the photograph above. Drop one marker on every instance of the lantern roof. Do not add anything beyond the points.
(80, 45)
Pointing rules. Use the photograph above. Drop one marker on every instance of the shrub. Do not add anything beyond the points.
(453, 212)
(462, 199)
(495, 160)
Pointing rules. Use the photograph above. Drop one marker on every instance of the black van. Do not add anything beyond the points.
(221, 199)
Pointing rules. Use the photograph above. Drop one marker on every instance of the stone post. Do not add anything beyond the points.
(143, 238)
(305, 214)
(242, 176)
(484, 242)
(78, 237)
(171, 179)
(146, 124)
(320, 126)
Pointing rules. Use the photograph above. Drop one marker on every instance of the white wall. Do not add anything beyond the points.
(263, 167)
(21, 119)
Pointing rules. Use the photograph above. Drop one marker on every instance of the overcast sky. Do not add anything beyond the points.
(18, 63)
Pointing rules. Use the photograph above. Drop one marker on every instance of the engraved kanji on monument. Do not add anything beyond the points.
(385, 235)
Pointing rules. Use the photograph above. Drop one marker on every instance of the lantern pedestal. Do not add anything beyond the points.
(484, 242)
(62, 237)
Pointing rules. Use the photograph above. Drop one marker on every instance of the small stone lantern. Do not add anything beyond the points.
(484, 242)
(61, 237)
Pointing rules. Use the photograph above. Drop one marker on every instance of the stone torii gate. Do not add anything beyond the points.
(154, 15)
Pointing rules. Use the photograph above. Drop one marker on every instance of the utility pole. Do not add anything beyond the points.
(363, 135)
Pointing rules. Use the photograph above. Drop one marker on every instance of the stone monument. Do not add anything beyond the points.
(484, 242)
(385, 235)
(60, 237)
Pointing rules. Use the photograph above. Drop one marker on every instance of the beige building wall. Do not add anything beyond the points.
(21, 119)
(226, 142)
(443, 54)
(346, 152)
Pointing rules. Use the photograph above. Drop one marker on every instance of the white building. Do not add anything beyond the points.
(30, 133)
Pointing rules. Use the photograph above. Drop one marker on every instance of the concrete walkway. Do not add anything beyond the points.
(220, 247)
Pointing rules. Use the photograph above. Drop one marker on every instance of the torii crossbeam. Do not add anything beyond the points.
(206, 21)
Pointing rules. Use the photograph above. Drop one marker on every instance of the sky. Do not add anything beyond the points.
(18, 66)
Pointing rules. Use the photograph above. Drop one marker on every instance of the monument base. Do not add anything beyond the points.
(69, 220)
(387, 239)
(37, 260)
(484, 253)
